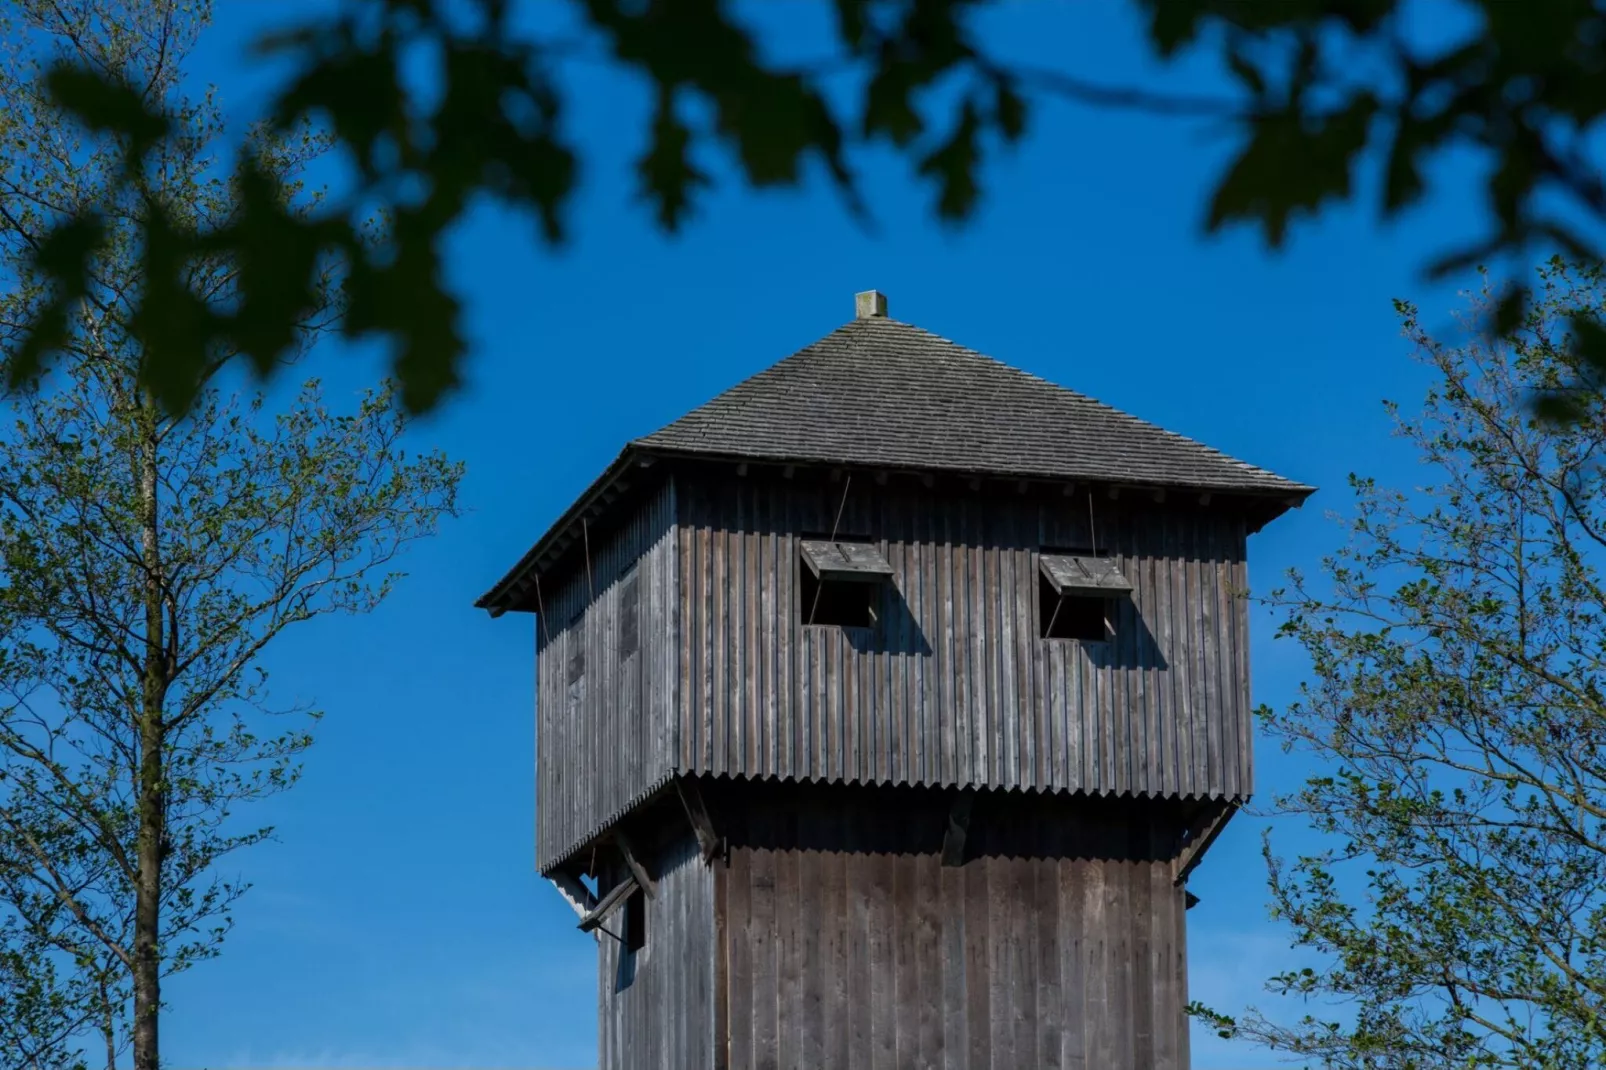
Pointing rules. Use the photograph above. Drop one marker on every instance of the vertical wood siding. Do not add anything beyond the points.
(606, 669)
(847, 943)
(955, 687)
(656, 1005)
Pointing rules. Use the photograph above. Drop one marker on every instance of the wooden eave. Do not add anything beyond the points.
(514, 591)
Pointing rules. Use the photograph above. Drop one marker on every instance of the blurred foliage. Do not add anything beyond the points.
(1321, 86)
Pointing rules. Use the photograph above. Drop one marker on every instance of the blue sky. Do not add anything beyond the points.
(398, 920)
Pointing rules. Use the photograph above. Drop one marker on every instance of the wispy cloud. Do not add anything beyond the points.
(1227, 971)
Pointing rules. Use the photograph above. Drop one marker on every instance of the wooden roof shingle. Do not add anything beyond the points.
(879, 392)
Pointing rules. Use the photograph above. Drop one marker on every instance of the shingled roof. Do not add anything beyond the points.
(883, 393)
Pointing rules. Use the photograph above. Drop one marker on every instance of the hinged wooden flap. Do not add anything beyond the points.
(860, 561)
(1070, 574)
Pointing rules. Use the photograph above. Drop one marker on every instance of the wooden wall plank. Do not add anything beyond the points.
(836, 922)
(738, 926)
(883, 921)
(926, 893)
(1056, 944)
(605, 714)
(761, 932)
(955, 998)
(791, 961)
(656, 1006)
(978, 975)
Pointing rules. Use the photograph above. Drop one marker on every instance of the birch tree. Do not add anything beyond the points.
(147, 561)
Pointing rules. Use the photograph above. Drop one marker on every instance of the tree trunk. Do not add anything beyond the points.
(108, 1025)
(151, 778)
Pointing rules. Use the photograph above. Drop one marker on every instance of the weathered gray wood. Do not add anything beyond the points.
(576, 894)
(958, 688)
(1201, 833)
(978, 977)
(764, 947)
(738, 934)
(844, 561)
(691, 800)
(1072, 574)
(594, 917)
(1050, 1011)
(633, 861)
(857, 870)
(955, 1024)
(604, 717)
(657, 1006)
(689, 660)
(721, 992)
(884, 919)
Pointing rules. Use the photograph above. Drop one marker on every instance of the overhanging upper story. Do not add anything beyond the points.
(891, 559)
(882, 398)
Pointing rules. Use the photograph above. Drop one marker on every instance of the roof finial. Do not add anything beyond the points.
(871, 304)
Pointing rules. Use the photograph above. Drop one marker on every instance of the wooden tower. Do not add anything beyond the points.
(885, 703)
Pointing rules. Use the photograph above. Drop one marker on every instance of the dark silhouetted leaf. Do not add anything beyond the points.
(1522, 91)
(889, 108)
(1589, 346)
(1009, 109)
(667, 174)
(1247, 73)
(1291, 165)
(106, 107)
(67, 252)
(1508, 312)
(953, 165)
(45, 337)
(1402, 181)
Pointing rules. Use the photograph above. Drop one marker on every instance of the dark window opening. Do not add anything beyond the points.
(636, 921)
(1072, 616)
(838, 603)
(840, 582)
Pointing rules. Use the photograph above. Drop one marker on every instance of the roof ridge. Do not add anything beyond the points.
(881, 391)
(1088, 398)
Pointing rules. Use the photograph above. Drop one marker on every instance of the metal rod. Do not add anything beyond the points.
(585, 532)
(841, 505)
(835, 524)
(540, 610)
